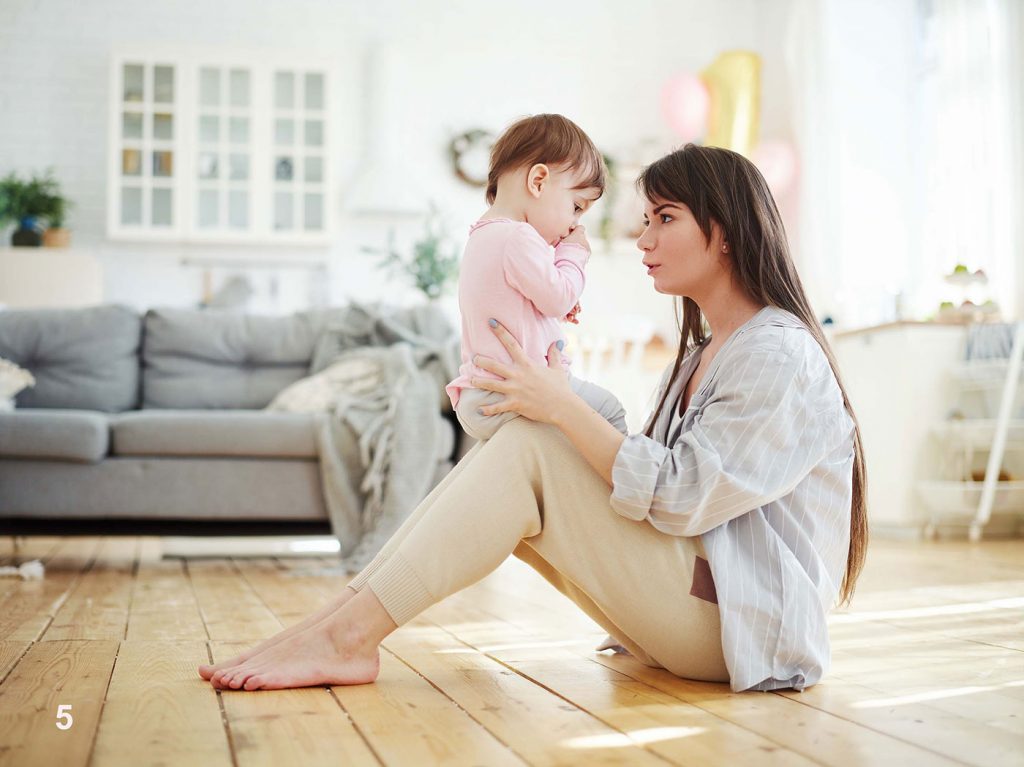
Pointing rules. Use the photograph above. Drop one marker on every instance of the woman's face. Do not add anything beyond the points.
(676, 255)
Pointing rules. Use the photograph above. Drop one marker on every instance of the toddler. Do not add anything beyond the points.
(523, 263)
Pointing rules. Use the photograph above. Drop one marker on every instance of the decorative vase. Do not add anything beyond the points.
(27, 234)
(56, 237)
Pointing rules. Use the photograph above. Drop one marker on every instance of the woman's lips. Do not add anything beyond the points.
(652, 267)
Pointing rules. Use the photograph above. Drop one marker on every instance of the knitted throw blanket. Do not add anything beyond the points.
(383, 440)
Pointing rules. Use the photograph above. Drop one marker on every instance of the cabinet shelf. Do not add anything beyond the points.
(978, 433)
(944, 497)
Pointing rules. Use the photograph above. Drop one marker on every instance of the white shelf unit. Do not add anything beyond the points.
(221, 146)
(991, 387)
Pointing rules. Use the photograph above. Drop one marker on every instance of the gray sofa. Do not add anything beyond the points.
(158, 416)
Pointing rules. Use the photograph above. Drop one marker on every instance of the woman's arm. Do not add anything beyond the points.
(771, 422)
(543, 394)
(596, 439)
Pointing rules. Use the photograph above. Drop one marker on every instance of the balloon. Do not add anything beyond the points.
(684, 103)
(734, 83)
(777, 162)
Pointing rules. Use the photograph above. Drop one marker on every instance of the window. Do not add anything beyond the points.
(230, 149)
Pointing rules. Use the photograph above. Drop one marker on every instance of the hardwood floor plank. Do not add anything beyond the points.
(30, 606)
(408, 721)
(157, 707)
(675, 730)
(98, 606)
(50, 675)
(510, 705)
(10, 654)
(164, 607)
(230, 608)
(958, 737)
(819, 736)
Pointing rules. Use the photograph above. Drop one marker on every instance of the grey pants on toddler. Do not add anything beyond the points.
(483, 427)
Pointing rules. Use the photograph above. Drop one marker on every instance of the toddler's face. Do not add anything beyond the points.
(559, 205)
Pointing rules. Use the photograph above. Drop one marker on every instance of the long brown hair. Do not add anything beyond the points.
(723, 187)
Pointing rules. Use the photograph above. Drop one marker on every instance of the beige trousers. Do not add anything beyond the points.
(527, 491)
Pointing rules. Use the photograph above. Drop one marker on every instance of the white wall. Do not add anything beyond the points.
(469, 64)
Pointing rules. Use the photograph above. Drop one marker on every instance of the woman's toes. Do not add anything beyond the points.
(254, 682)
(206, 671)
(239, 679)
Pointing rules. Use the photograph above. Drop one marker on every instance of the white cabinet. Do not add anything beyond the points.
(899, 383)
(215, 146)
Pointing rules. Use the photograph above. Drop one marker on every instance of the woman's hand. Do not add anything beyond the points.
(535, 391)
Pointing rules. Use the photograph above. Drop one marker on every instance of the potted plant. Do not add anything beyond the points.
(33, 204)
(56, 234)
(434, 263)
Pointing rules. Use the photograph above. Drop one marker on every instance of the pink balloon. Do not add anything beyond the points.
(685, 104)
(777, 162)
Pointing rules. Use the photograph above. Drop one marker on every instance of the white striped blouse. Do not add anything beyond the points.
(761, 467)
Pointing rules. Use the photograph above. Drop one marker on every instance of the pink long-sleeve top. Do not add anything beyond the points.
(510, 273)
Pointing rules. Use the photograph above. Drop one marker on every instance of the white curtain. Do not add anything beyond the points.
(971, 84)
(909, 126)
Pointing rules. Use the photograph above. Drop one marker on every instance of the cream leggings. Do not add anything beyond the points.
(527, 491)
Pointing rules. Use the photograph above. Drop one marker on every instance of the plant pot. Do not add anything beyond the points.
(27, 234)
(57, 237)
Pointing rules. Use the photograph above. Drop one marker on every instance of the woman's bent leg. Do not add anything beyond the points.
(529, 486)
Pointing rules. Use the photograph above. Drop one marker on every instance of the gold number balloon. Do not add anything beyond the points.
(734, 84)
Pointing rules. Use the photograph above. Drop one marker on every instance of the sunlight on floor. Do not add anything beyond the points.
(962, 608)
(519, 646)
(918, 697)
(633, 737)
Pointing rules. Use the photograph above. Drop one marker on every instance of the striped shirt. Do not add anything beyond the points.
(761, 467)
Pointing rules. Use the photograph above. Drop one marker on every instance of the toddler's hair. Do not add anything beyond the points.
(550, 139)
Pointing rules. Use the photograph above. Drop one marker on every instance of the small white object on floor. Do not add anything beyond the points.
(27, 571)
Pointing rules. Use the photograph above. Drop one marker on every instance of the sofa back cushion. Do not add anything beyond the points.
(85, 359)
(216, 358)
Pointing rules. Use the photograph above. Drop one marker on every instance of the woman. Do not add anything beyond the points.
(734, 520)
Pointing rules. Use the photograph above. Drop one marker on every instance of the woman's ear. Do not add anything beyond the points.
(536, 177)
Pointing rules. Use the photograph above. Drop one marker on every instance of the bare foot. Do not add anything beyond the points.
(206, 670)
(320, 655)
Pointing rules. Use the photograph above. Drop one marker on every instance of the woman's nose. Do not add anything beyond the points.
(644, 242)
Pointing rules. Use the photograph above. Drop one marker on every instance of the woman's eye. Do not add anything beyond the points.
(646, 223)
(578, 208)
(665, 218)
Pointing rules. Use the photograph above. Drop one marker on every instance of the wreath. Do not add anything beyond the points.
(467, 147)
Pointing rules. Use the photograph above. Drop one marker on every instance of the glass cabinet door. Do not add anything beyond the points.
(299, 151)
(148, 144)
(224, 149)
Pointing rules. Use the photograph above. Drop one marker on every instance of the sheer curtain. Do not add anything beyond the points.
(971, 136)
(908, 120)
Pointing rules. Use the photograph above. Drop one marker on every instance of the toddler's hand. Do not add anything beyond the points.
(578, 236)
(571, 316)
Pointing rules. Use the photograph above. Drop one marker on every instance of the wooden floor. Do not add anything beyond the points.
(928, 668)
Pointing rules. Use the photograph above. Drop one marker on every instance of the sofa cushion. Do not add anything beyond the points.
(215, 358)
(81, 358)
(210, 432)
(61, 435)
